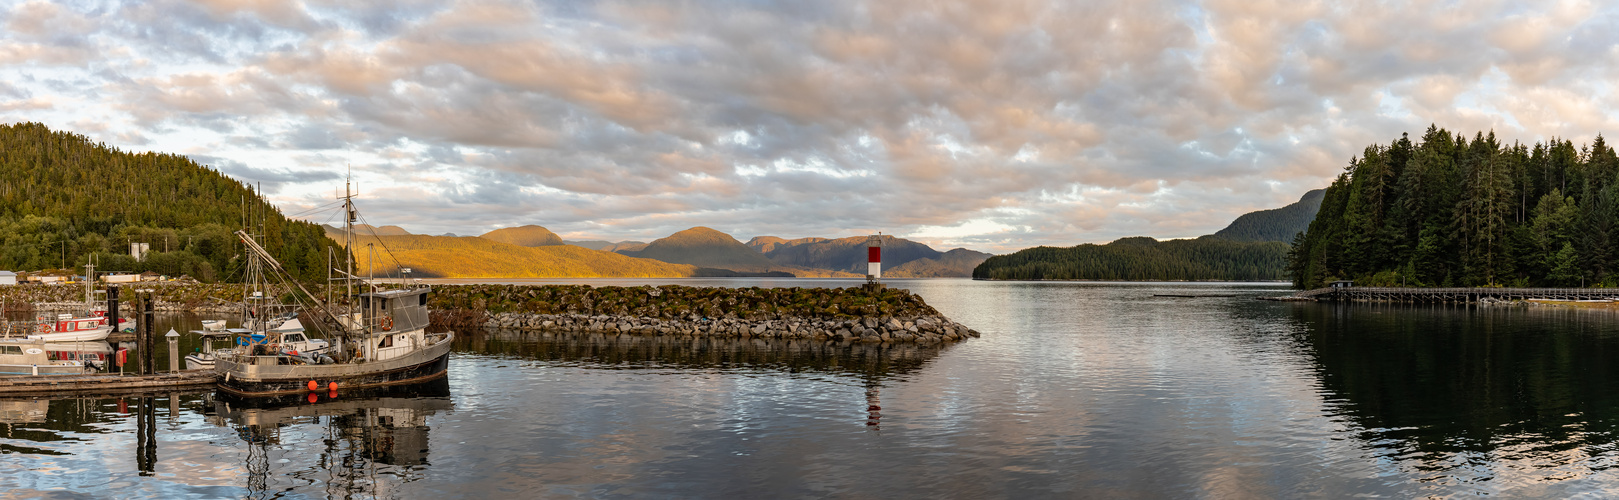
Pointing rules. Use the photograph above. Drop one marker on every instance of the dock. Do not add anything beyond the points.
(1447, 295)
(107, 383)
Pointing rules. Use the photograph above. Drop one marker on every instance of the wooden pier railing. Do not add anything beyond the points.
(1405, 294)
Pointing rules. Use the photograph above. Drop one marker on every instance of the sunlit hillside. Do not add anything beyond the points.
(524, 236)
(471, 257)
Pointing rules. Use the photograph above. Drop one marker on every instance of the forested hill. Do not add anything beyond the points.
(1143, 259)
(1277, 224)
(1448, 211)
(64, 198)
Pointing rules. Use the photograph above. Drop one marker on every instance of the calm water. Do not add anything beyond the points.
(1075, 390)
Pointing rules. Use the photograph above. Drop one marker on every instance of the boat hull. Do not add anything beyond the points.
(75, 336)
(254, 380)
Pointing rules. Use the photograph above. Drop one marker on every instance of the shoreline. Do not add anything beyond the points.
(859, 314)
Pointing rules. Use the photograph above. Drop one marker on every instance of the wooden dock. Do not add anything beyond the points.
(107, 384)
(1447, 295)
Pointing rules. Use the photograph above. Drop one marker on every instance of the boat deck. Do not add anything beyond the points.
(106, 383)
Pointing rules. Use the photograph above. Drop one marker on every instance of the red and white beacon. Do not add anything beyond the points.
(874, 260)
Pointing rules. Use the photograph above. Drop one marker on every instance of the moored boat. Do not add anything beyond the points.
(70, 328)
(381, 339)
(28, 356)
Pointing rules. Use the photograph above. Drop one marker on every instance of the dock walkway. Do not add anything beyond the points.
(108, 383)
(1452, 295)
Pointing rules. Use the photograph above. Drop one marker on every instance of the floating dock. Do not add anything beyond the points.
(1448, 295)
(107, 383)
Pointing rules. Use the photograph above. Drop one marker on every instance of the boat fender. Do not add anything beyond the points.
(313, 386)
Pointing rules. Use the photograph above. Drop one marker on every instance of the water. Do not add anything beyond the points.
(1074, 390)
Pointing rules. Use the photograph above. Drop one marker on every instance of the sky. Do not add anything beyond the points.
(991, 125)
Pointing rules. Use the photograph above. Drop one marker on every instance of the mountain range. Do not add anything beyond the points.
(534, 251)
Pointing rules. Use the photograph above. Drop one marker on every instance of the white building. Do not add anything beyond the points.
(8, 278)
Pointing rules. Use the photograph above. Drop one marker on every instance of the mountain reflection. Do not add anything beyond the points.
(1441, 388)
(640, 352)
(365, 432)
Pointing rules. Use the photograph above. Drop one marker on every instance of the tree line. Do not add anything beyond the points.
(1448, 211)
(66, 201)
(1144, 259)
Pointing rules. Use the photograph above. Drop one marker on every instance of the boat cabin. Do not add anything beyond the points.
(395, 310)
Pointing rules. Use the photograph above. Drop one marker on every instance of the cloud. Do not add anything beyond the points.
(1033, 122)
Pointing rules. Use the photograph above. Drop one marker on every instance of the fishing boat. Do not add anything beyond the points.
(28, 356)
(379, 339)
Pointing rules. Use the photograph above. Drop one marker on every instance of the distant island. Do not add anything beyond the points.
(1448, 211)
(1252, 248)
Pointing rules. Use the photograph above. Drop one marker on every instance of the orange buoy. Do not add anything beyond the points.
(313, 386)
(331, 386)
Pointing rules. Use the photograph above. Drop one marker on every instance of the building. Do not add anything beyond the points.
(121, 278)
(8, 278)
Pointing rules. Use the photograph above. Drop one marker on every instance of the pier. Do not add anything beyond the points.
(1447, 295)
(107, 384)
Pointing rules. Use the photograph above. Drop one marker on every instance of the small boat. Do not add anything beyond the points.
(70, 328)
(94, 354)
(203, 358)
(293, 343)
(27, 356)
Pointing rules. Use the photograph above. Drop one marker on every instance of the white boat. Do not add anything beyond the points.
(69, 328)
(28, 357)
(284, 343)
(94, 354)
(94, 325)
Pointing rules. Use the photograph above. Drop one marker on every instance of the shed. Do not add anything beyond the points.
(8, 278)
(1341, 284)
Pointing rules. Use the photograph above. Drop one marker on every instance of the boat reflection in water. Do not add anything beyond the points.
(366, 431)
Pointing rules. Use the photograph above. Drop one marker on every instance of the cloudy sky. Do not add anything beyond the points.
(994, 125)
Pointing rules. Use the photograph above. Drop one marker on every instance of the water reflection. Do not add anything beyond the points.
(632, 352)
(361, 434)
(1465, 395)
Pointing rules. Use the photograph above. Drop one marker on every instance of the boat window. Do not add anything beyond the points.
(86, 325)
(383, 304)
(292, 337)
(424, 299)
(387, 341)
(10, 349)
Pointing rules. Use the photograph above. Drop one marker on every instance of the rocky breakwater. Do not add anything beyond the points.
(167, 296)
(834, 314)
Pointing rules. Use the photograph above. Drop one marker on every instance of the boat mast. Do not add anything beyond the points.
(348, 238)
